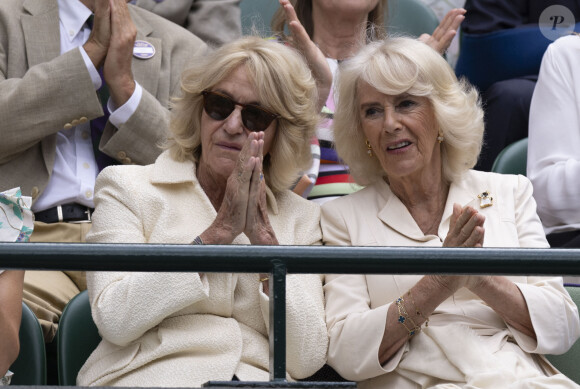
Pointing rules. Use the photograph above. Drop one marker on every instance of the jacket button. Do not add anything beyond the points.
(34, 192)
(121, 155)
(127, 161)
(83, 120)
(68, 126)
(75, 123)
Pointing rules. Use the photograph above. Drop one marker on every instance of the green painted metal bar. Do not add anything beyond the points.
(279, 260)
(278, 321)
(298, 259)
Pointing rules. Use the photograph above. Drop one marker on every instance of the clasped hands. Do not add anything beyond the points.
(110, 46)
(465, 230)
(244, 207)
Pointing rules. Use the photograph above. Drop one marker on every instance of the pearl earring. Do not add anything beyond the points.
(369, 148)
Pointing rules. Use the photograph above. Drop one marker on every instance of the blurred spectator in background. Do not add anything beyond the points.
(215, 21)
(500, 53)
(554, 142)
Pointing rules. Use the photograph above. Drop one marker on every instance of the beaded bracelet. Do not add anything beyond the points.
(417, 311)
(404, 316)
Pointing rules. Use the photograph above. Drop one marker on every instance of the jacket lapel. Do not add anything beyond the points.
(146, 71)
(395, 215)
(458, 193)
(41, 31)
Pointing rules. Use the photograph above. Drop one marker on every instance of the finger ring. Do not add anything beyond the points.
(261, 176)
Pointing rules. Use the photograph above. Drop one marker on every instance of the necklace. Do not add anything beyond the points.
(326, 55)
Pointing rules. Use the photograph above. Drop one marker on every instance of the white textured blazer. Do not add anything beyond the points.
(466, 341)
(184, 329)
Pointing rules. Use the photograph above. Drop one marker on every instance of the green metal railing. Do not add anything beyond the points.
(280, 260)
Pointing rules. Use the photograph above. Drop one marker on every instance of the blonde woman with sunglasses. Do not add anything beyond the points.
(240, 134)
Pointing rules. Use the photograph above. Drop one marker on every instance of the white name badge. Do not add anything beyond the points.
(143, 50)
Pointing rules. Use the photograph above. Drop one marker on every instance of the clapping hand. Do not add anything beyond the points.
(465, 228)
(313, 55)
(445, 31)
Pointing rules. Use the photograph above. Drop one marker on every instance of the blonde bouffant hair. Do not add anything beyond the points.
(284, 85)
(403, 65)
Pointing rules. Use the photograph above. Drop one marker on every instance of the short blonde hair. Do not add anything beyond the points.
(404, 65)
(284, 85)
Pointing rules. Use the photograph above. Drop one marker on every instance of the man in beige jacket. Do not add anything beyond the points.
(51, 53)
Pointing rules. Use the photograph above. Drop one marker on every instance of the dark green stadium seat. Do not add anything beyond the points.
(569, 362)
(30, 366)
(410, 18)
(512, 159)
(77, 337)
(258, 14)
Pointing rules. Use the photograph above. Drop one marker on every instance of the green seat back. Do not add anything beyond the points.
(569, 363)
(30, 366)
(410, 18)
(258, 14)
(77, 337)
(512, 159)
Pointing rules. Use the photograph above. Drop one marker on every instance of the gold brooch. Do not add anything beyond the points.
(485, 199)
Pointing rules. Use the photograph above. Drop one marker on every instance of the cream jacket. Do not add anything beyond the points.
(466, 341)
(184, 329)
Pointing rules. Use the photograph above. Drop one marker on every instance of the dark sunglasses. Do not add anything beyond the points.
(219, 107)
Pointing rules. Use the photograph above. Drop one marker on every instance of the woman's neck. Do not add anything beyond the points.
(337, 38)
(213, 186)
(424, 198)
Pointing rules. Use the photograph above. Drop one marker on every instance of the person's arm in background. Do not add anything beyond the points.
(554, 135)
(10, 314)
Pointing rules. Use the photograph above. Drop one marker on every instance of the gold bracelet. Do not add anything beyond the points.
(417, 311)
(404, 316)
(264, 279)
